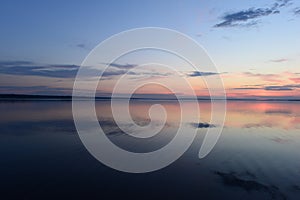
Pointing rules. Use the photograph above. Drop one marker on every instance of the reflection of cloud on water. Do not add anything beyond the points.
(203, 125)
(278, 112)
(126, 136)
(296, 122)
(280, 140)
(296, 188)
(24, 128)
(110, 127)
(234, 180)
(258, 125)
(286, 123)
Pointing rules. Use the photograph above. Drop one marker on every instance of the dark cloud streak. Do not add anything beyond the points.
(278, 88)
(250, 16)
(197, 73)
(121, 66)
(26, 68)
(288, 87)
(283, 87)
(31, 69)
(35, 90)
(246, 88)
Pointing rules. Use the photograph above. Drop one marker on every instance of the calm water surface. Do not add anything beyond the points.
(257, 156)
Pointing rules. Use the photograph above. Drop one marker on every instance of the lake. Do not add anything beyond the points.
(256, 157)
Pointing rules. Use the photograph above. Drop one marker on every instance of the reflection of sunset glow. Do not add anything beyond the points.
(263, 114)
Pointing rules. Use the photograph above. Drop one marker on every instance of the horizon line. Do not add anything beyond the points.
(9, 97)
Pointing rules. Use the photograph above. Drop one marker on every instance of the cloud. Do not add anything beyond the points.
(282, 3)
(279, 60)
(82, 46)
(35, 90)
(246, 88)
(239, 18)
(253, 85)
(32, 69)
(297, 11)
(249, 17)
(151, 74)
(282, 87)
(26, 68)
(296, 80)
(197, 73)
(115, 73)
(278, 88)
(121, 66)
(139, 73)
(264, 77)
(286, 87)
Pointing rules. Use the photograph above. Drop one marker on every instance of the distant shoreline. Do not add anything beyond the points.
(28, 97)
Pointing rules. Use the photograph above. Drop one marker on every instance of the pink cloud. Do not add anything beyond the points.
(265, 77)
(296, 80)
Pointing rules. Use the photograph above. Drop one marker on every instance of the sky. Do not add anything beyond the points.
(254, 44)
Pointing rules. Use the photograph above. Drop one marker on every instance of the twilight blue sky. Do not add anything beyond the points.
(244, 38)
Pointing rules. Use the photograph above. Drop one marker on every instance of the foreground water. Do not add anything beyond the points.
(256, 157)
